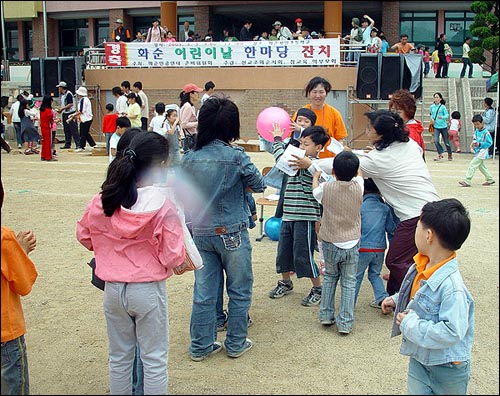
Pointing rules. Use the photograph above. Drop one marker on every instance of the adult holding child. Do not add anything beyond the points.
(399, 171)
(327, 116)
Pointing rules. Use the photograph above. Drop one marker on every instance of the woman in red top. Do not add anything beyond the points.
(403, 103)
(46, 121)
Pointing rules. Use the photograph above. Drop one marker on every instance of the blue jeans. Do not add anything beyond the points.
(17, 127)
(233, 253)
(15, 379)
(466, 62)
(373, 261)
(221, 316)
(444, 133)
(339, 264)
(137, 374)
(443, 379)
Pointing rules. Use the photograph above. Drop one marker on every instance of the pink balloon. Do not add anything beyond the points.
(268, 117)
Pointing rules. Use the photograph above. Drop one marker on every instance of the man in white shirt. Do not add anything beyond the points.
(209, 90)
(137, 87)
(283, 32)
(183, 33)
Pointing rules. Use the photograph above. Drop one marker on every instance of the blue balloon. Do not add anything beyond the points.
(272, 228)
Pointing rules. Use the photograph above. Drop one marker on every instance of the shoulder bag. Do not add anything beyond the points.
(431, 125)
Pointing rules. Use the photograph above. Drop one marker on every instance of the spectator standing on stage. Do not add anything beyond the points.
(245, 34)
(183, 33)
(403, 47)
(283, 32)
(156, 34)
(366, 27)
(121, 33)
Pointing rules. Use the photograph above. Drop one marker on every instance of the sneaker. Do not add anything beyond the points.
(282, 289)
(464, 184)
(313, 298)
(327, 322)
(64, 147)
(79, 150)
(216, 348)
(344, 332)
(19, 146)
(488, 183)
(375, 304)
(247, 347)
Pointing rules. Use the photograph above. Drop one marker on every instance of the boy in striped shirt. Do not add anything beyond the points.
(301, 212)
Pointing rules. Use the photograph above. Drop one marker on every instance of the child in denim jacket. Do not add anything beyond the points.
(434, 311)
(378, 224)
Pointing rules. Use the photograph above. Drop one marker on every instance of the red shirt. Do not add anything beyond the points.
(109, 123)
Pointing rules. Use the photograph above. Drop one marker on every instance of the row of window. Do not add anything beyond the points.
(421, 28)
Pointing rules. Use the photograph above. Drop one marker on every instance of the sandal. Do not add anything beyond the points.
(28, 152)
(487, 183)
(463, 184)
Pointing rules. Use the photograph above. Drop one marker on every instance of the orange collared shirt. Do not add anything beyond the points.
(421, 262)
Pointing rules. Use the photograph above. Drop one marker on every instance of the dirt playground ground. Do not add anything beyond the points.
(292, 353)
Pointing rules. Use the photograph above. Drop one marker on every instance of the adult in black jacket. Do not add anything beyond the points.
(442, 71)
(245, 34)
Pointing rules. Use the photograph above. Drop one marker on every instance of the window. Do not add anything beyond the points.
(28, 39)
(457, 26)
(12, 40)
(74, 36)
(420, 27)
(102, 31)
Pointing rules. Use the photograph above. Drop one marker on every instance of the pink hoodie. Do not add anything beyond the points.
(141, 244)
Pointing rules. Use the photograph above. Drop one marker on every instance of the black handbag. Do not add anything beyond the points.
(189, 140)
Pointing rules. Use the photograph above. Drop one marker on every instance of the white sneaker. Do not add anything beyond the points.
(79, 150)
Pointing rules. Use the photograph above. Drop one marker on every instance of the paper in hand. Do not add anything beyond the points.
(282, 163)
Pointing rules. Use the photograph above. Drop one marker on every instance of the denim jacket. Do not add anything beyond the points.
(221, 173)
(377, 219)
(439, 326)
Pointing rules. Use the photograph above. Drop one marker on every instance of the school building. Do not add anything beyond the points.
(38, 29)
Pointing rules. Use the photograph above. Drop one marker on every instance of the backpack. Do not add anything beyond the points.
(359, 35)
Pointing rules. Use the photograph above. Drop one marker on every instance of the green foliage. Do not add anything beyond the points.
(485, 33)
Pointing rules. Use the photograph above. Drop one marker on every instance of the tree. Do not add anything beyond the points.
(485, 35)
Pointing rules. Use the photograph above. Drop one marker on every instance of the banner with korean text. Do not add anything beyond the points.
(314, 52)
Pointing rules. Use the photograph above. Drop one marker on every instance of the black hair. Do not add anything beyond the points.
(19, 97)
(403, 35)
(488, 101)
(123, 122)
(389, 125)
(110, 107)
(477, 118)
(160, 108)
(117, 91)
(185, 97)
(318, 81)
(317, 134)
(138, 84)
(125, 84)
(345, 165)
(455, 115)
(23, 106)
(120, 187)
(5, 101)
(449, 220)
(137, 98)
(46, 103)
(125, 139)
(169, 112)
(370, 187)
(467, 38)
(209, 85)
(442, 101)
(219, 118)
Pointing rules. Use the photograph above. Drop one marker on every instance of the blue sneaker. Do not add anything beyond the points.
(216, 348)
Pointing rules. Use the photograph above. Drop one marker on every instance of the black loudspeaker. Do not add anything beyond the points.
(406, 83)
(390, 75)
(50, 76)
(68, 72)
(36, 76)
(368, 79)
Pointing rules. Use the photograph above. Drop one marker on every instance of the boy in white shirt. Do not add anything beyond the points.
(122, 124)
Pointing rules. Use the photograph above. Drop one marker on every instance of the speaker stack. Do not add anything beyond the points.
(379, 75)
(47, 72)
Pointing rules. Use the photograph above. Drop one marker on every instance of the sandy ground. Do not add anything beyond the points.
(292, 354)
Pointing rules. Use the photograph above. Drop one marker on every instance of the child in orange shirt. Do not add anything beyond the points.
(18, 276)
(109, 124)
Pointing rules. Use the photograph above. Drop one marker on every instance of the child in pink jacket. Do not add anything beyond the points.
(137, 238)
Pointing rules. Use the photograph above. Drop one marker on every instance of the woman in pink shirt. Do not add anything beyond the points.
(137, 238)
(189, 96)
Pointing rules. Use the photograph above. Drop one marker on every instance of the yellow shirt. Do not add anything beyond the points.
(421, 262)
(135, 109)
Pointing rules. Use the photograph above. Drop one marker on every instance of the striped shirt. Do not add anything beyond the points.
(299, 203)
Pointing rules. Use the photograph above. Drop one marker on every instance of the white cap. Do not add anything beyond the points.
(62, 84)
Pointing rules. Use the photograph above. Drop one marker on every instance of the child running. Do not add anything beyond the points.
(433, 310)
(453, 131)
(340, 231)
(133, 216)
(479, 146)
(301, 211)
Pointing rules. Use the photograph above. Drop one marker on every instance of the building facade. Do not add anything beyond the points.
(65, 28)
